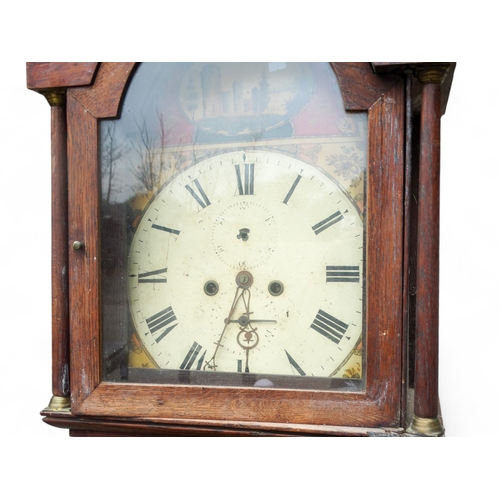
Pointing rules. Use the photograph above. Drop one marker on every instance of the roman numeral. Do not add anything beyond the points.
(292, 189)
(342, 274)
(202, 199)
(326, 223)
(191, 356)
(161, 320)
(295, 364)
(166, 229)
(329, 326)
(246, 185)
(146, 277)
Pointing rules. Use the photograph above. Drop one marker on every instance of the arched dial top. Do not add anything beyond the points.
(249, 261)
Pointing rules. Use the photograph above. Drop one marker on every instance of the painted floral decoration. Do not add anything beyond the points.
(349, 164)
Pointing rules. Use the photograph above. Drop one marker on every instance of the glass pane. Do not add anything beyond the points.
(232, 228)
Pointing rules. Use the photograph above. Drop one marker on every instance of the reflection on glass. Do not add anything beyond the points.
(191, 141)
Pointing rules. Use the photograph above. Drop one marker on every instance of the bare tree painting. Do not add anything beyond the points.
(112, 153)
(151, 161)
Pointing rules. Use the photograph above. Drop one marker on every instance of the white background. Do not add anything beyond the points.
(39, 459)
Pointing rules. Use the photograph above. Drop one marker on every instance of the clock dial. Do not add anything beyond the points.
(249, 262)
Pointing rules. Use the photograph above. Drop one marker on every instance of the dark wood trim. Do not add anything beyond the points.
(385, 248)
(229, 404)
(407, 243)
(51, 75)
(103, 99)
(112, 426)
(360, 87)
(84, 284)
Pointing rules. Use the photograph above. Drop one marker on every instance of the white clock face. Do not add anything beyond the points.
(249, 262)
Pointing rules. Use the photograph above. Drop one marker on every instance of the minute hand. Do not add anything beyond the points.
(245, 320)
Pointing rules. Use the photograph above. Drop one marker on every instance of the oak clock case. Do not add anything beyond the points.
(238, 242)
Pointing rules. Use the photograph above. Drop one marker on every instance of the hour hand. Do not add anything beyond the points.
(244, 320)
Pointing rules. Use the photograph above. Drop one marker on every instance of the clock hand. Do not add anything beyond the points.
(244, 320)
(250, 336)
(237, 296)
(244, 280)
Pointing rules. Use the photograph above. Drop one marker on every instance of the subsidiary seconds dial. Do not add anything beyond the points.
(249, 261)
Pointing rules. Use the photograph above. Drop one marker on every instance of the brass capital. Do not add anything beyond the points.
(430, 427)
(431, 74)
(55, 97)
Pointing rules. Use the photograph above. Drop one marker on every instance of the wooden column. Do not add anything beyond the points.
(426, 419)
(60, 400)
(51, 79)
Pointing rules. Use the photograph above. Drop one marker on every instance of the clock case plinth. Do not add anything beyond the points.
(406, 102)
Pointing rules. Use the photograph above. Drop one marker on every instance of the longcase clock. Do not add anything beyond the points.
(245, 248)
